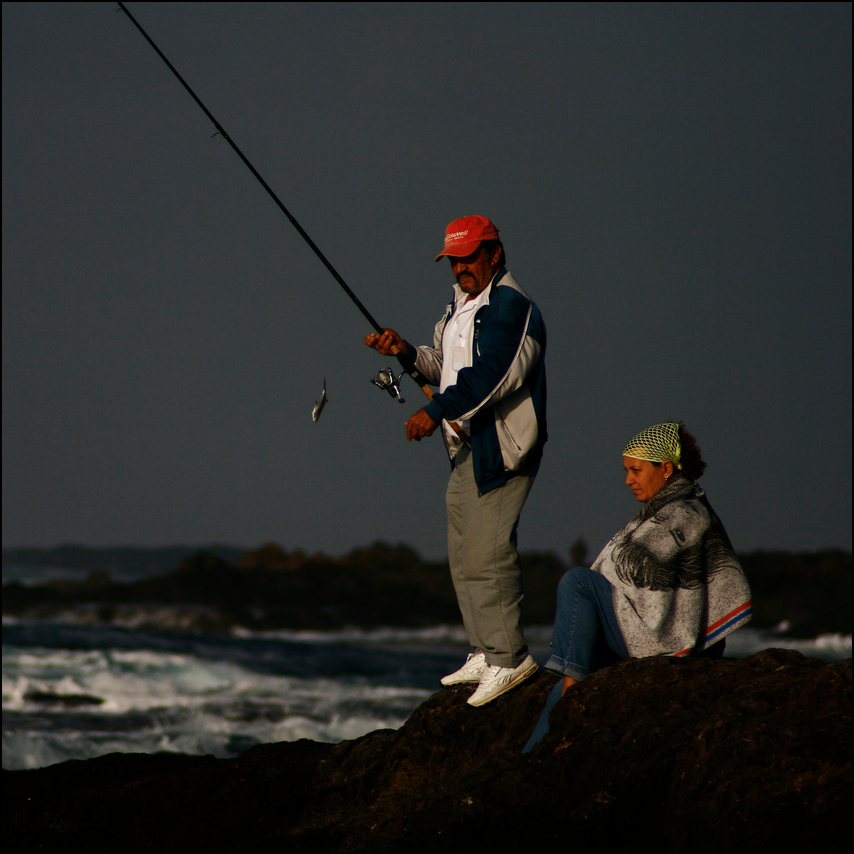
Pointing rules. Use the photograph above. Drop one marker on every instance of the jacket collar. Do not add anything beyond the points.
(496, 279)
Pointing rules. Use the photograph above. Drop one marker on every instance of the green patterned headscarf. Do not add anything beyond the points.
(657, 444)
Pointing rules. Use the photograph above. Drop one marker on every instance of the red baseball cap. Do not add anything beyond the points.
(465, 234)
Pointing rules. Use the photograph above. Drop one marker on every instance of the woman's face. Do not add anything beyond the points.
(645, 479)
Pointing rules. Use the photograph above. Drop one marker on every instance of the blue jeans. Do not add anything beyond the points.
(586, 635)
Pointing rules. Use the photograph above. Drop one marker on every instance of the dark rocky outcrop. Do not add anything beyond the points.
(262, 590)
(648, 755)
(269, 589)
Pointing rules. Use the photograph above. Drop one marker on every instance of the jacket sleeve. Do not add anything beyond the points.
(504, 358)
(428, 360)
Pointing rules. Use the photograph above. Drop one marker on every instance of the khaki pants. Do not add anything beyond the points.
(484, 562)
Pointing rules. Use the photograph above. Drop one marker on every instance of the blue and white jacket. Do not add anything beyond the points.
(503, 393)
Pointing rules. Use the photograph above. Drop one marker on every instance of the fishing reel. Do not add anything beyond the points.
(387, 380)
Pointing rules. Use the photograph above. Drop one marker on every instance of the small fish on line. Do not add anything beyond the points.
(321, 402)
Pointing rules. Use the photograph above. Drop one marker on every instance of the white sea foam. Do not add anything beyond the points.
(132, 681)
(166, 692)
(830, 647)
(166, 701)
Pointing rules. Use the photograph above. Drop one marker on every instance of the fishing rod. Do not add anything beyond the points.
(384, 379)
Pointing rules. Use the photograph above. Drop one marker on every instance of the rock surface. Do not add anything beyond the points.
(648, 755)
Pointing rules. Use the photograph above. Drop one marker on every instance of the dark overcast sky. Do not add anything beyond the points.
(672, 183)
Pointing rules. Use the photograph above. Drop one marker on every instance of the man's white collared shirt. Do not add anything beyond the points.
(457, 349)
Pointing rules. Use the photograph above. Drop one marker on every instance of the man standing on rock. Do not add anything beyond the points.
(488, 360)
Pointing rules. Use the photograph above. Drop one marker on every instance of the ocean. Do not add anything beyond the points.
(75, 689)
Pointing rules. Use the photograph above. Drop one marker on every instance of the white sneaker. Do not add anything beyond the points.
(496, 680)
(470, 672)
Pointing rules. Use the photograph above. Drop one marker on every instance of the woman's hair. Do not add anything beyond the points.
(693, 464)
(691, 460)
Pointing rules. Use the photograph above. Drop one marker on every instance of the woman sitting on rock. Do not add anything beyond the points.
(668, 583)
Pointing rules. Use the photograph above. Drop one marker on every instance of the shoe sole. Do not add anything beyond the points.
(520, 678)
(473, 680)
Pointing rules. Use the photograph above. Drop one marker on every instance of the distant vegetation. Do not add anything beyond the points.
(123, 559)
(380, 584)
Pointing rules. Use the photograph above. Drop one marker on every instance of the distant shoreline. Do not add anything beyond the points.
(380, 585)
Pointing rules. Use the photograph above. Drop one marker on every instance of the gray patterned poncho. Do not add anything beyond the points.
(677, 584)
